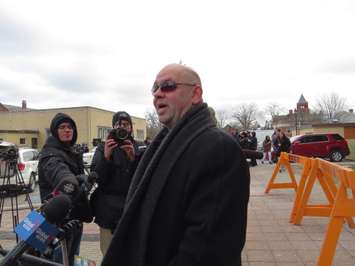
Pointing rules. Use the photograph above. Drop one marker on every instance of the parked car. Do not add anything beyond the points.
(328, 145)
(27, 164)
(88, 156)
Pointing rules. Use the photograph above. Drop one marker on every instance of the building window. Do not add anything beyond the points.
(102, 132)
(140, 134)
(22, 141)
(34, 142)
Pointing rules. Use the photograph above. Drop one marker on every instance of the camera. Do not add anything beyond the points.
(9, 154)
(119, 135)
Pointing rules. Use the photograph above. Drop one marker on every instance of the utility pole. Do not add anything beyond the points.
(296, 121)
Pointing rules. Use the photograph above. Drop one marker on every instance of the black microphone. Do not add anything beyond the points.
(57, 208)
(38, 231)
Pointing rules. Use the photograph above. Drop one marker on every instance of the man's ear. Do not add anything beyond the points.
(197, 94)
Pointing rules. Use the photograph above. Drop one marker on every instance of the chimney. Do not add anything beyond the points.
(24, 104)
(351, 111)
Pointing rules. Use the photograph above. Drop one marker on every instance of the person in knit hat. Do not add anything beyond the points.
(114, 164)
(60, 170)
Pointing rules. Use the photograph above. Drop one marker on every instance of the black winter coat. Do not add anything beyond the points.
(285, 144)
(56, 162)
(114, 178)
(187, 204)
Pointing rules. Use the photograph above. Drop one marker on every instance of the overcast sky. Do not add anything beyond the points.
(106, 54)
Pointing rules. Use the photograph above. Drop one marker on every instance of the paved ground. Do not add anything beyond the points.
(271, 239)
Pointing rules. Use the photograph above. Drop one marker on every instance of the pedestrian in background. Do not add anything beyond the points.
(267, 150)
(253, 146)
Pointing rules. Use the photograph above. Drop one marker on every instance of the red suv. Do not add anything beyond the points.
(331, 145)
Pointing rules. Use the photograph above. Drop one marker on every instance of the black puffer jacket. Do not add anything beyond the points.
(114, 178)
(57, 161)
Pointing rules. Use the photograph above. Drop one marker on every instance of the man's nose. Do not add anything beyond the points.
(158, 93)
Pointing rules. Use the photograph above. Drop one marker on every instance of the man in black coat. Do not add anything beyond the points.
(114, 162)
(187, 203)
(60, 170)
(254, 147)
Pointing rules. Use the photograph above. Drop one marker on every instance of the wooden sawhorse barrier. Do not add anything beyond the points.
(326, 173)
(284, 160)
(340, 195)
(343, 209)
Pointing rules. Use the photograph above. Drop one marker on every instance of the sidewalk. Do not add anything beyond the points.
(271, 239)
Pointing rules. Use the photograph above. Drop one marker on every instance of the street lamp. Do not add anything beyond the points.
(296, 122)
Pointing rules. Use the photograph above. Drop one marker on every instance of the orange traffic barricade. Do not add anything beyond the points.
(326, 173)
(285, 160)
(343, 208)
(307, 172)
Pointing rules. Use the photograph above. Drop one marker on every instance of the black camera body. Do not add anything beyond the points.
(9, 154)
(119, 135)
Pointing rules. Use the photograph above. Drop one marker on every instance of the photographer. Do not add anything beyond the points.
(60, 170)
(114, 162)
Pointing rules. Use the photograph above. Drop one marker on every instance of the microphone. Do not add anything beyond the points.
(37, 230)
(57, 208)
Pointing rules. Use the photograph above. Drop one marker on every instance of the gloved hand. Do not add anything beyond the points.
(84, 184)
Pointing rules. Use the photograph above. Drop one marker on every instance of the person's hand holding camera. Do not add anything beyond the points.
(110, 144)
(127, 146)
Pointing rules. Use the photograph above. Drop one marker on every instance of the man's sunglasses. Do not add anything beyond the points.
(168, 85)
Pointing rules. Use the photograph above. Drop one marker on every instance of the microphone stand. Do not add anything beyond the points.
(65, 252)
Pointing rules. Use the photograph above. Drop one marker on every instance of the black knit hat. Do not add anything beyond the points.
(63, 118)
(119, 116)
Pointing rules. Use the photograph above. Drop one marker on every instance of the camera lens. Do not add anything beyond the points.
(122, 134)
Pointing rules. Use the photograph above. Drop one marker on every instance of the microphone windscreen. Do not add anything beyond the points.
(57, 208)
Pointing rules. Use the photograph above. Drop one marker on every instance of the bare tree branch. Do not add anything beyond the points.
(246, 115)
(153, 124)
(331, 106)
(222, 116)
(274, 109)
